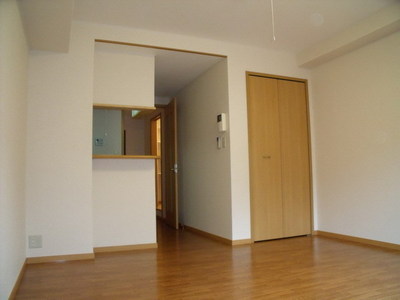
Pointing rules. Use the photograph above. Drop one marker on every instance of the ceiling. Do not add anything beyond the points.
(299, 24)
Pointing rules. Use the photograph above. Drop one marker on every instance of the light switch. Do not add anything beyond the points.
(98, 142)
(219, 142)
(223, 141)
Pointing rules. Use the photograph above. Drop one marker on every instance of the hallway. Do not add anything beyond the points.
(187, 266)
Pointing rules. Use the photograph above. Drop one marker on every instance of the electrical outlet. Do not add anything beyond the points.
(35, 241)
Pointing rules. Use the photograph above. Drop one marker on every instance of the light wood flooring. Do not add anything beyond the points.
(187, 266)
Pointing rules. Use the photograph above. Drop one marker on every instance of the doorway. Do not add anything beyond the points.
(163, 144)
(156, 146)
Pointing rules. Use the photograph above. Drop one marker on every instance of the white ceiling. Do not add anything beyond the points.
(299, 24)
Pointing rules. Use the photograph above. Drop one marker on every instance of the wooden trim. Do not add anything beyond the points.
(249, 73)
(103, 156)
(242, 242)
(252, 206)
(209, 235)
(217, 237)
(124, 248)
(59, 258)
(13, 293)
(310, 158)
(153, 133)
(357, 239)
(124, 107)
(158, 47)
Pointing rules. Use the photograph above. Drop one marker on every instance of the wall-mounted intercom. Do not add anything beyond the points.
(221, 121)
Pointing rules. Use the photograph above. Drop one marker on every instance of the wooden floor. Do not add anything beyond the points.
(187, 266)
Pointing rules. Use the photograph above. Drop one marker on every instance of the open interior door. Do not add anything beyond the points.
(171, 165)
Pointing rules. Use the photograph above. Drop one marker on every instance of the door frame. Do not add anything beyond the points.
(171, 164)
(153, 146)
(165, 168)
(305, 81)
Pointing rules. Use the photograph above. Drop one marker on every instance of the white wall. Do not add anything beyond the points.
(123, 190)
(240, 59)
(13, 89)
(107, 125)
(122, 78)
(204, 178)
(356, 128)
(59, 163)
(124, 211)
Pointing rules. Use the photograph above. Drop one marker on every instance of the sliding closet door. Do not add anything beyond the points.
(265, 158)
(295, 158)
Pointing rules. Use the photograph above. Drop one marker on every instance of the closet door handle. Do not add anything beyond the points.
(266, 156)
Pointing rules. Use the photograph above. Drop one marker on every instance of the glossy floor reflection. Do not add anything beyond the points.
(187, 266)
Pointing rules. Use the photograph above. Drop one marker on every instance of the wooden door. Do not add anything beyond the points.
(265, 158)
(279, 157)
(156, 147)
(295, 158)
(171, 165)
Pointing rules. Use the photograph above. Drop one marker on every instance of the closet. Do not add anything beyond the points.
(279, 156)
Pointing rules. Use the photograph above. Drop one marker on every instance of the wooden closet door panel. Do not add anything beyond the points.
(295, 158)
(265, 158)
